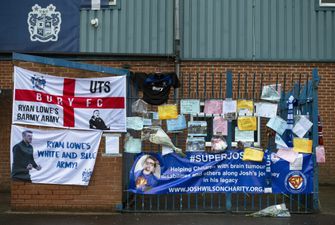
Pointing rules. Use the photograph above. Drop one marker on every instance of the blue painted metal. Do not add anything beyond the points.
(68, 64)
(229, 94)
(240, 202)
(315, 114)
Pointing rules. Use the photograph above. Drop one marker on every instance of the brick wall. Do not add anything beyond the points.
(105, 190)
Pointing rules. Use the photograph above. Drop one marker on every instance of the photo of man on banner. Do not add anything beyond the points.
(23, 160)
(147, 173)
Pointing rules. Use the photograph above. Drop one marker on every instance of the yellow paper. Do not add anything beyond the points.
(302, 145)
(245, 105)
(247, 123)
(253, 154)
(166, 112)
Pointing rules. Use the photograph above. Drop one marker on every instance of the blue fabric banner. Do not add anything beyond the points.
(40, 25)
(197, 172)
(290, 179)
(153, 173)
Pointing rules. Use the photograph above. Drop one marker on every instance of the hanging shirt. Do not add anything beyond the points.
(155, 87)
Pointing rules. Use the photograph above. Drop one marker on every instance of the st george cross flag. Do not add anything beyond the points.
(81, 103)
(53, 156)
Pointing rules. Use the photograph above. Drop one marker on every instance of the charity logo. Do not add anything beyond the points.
(44, 23)
(295, 182)
(38, 82)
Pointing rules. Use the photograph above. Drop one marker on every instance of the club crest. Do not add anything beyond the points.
(44, 23)
(38, 82)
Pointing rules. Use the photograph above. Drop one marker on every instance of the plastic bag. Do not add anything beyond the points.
(139, 106)
(218, 144)
(132, 145)
(271, 92)
(273, 211)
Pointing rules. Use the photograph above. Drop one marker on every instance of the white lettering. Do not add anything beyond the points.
(70, 101)
(38, 97)
(99, 102)
(88, 102)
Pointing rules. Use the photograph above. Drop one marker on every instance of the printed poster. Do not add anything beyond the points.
(81, 103)
(53, 156)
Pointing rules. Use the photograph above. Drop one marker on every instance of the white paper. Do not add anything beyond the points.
(135, 123)
(244, 136)
(297, 164)
(264, 109)
(277, 124)
(229, 106)
(287, 154)
(302, 126)
(280, 143)
(112, 145)
(166, 150)
(95, 5)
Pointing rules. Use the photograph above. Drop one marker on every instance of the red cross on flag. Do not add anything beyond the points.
(82, 103)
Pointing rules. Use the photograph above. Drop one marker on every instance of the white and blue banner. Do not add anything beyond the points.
(154, 173)
(81, 103)
(293, 178)
(40, 25)
(53, 156)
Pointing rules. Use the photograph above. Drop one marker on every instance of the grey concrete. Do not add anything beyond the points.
(326, 217)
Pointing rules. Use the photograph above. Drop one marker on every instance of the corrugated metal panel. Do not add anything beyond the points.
(139, 27)
(216, 29)
(257, 29)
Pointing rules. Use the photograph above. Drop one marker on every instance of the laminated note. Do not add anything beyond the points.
(244, 136)
(277, 124)
(213, 107)
(298, 162)
(320, 154)
(135, 123)
(264, 109)
(190, 106)
(132, 145)
(302, 145)
(245, 107)
(112, 145)
(176, 124)
(253, 154)
(220, 126)
(168, 111)
(302, 126)
(229, 106)
(287, 154)
(247, 123)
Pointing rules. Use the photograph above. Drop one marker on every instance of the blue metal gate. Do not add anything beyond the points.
(304, 87)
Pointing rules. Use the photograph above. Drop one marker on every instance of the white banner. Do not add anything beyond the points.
(82, 103)
(53, 156)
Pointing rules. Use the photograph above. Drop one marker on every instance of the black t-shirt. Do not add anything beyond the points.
(156, 87)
